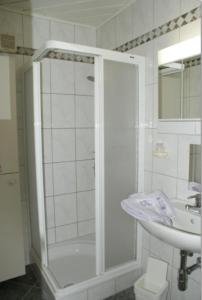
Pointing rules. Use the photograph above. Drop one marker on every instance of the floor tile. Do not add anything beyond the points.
(124, 295)
(13, 291)
(36, 294)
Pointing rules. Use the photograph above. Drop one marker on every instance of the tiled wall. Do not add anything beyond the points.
(170, 174)
(68, 132)
(33, 32)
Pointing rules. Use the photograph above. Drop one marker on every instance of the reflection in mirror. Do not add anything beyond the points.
(195, 163)
(179, 89)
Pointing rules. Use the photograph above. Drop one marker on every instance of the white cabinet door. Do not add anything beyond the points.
(12, 261)
(8, 116)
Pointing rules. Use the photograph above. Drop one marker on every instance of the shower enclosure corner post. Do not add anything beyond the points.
(99, 165)
(141, 145)
(141, 125)
(39, 161)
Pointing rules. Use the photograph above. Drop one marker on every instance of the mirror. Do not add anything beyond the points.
(195, 163)
(179, 85)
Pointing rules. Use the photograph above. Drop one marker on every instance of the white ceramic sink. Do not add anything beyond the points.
(186, 232)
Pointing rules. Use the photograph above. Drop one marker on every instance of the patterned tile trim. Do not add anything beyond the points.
(176, 23)
(189, 62)
(19, 51)
(70, 57)
(53, 55)
(195, 61)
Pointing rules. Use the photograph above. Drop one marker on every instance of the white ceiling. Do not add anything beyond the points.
(88, 12)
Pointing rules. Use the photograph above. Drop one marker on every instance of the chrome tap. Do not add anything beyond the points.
(197, 207)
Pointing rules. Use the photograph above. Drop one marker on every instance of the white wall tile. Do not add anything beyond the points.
(168, 165)
(86, 205)
(124, 26)
(127, 280)
(86, 227)
(166, 11)
(64, 178)
(107, 35)
(47, 145)
(183, 191)
(85, 144)
(85, 35)
(193, 291)
(48, 172)
(147, 182)
(36, 31)
(149, 135)
(161, 249)
(63, 111)
(165, 183)
(50, 212)
(143, 16)
(63, 145)
(84, 111)
(46, 111)
(187, 5)
(51, 236)
(83, 86)
(65, 209)
(45, 75)
(62, 32)
(62, 77)
(145, 255)
(147, 50)
(11, 23)
(164, 41)
(85, 175)
(145, 239)
(149, 105)
(66, 232)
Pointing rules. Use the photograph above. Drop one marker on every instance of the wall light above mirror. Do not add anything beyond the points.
(180, 80)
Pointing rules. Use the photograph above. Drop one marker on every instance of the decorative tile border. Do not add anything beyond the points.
(174, 24)
(52, 55)
(71, 57)
(195, 61)
(188, 63)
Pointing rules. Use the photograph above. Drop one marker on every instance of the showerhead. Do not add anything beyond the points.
(91, 78)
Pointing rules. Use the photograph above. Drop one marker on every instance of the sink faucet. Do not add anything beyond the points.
(197, 207)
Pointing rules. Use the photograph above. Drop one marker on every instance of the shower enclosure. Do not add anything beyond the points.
(85, 117)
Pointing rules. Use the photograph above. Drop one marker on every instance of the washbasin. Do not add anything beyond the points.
(185, 233)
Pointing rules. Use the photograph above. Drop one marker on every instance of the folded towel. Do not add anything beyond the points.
(195, 186)
(154, 207)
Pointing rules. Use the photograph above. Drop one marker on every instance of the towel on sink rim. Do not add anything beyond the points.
(153, 207)
(195, 186)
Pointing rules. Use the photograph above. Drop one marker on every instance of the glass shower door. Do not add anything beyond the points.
(120, 159)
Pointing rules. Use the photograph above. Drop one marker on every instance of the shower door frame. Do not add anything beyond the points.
(100, 55)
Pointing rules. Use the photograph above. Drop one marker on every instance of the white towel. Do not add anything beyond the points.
(154, 207)
(194, 186)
